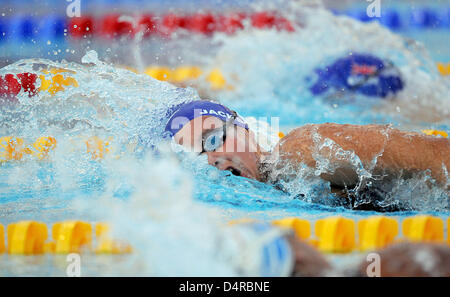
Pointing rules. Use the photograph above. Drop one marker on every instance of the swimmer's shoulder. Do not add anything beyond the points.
(308, 130)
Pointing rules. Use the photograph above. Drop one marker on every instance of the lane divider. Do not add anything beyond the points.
(2, 239)
(335, 235)
(14, 148)
(97, 147)
(342, 235)
(71, 237)
(423, 228)
(51, 81)
(185, 74)
(376, 232)
(26, 238)
(111, 26)
(432, 132)
(57, 80)
(443, 68)
(301, 227)
(418, 17)
(107, 245)
(214, 77)
(30, 238)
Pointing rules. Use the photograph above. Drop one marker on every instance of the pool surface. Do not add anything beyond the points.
(172, 207)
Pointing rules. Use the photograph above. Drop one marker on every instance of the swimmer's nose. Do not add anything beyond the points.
(223, 161)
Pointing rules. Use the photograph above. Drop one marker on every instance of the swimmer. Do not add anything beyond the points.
(288, 255)
(382, 152)
(396, 260)
(352, 74)
(358, 73)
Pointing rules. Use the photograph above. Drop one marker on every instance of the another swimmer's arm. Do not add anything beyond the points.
(307, 260)
(379, 148)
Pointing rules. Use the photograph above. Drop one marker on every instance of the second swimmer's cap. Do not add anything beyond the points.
(185, 112)
(360, 73)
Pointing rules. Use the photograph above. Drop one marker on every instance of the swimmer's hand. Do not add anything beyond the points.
(382, 150)
(307, 260)
(411, 260)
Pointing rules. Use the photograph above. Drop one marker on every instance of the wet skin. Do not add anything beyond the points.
(394, 151)
(239, 154)
(381, 149)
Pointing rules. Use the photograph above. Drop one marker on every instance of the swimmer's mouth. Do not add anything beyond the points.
(234, 171)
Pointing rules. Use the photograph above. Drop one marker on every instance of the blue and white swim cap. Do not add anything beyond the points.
(359, 73)
(277, 256)
(185, 112)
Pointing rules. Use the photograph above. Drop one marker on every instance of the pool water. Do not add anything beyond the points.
(172, 206)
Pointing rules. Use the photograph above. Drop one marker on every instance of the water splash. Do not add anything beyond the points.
(272, 71)
(159, 204)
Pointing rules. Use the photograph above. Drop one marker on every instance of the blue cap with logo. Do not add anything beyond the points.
(181, 114)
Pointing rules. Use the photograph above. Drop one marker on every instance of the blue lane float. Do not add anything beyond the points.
(392, 20)
(3, 31)
(359, 73)
(417, 18)
(22, 28)
(52, 27)
(425, 18)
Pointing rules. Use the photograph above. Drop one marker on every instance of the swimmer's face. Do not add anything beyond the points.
(238, 152)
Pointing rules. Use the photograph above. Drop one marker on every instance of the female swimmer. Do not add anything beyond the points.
(377, 152)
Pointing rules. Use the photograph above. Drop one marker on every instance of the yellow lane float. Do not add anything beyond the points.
(448, 232)
(97, 147)
(159, 72)
(11, 148)
(242, 221)
(423, 229)
(27, 238)
(335, 235)
(301, 227)
(106, 245)
(58, 80)
(444, 69)
(376, 232)
(14, 148)
(183, 74)
(71, 236)
(42, 146)
(186, 73)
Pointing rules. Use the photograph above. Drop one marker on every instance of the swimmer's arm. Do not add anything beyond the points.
(380, 148)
